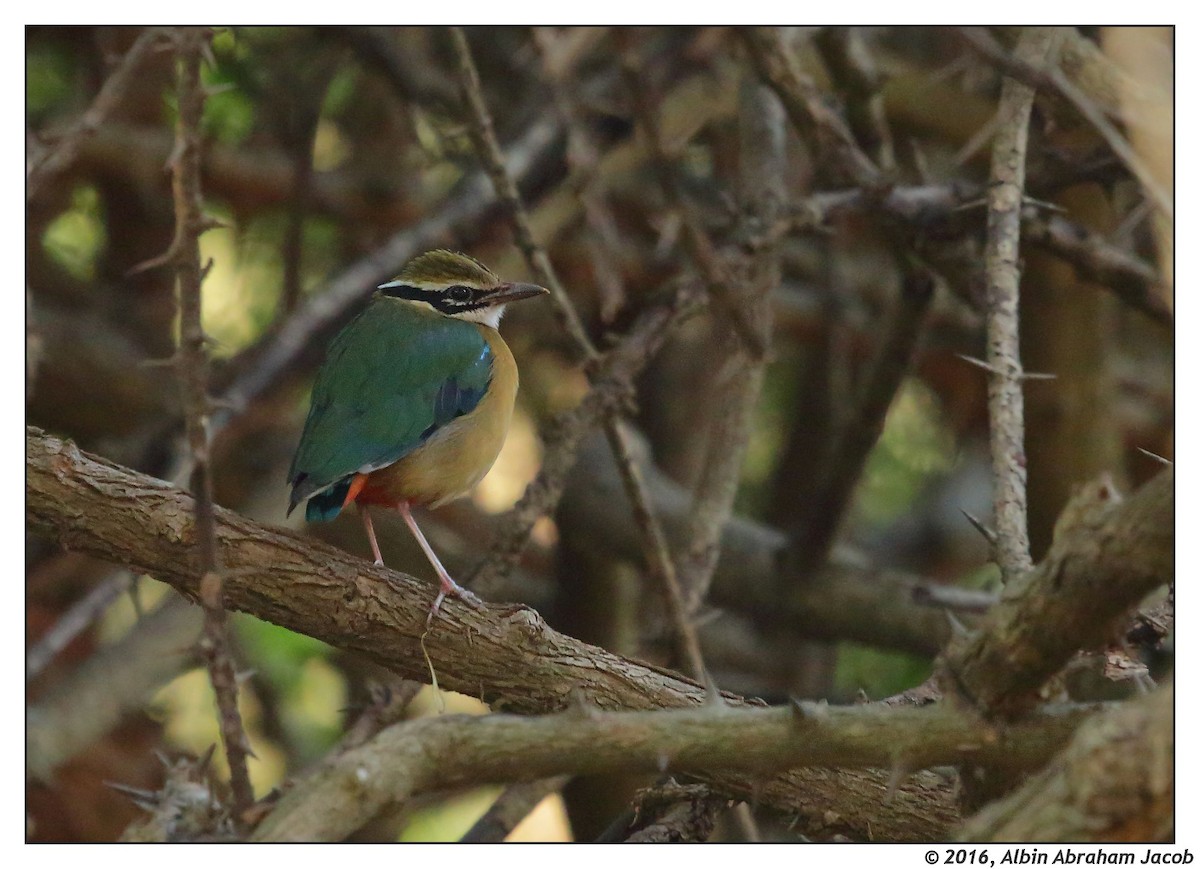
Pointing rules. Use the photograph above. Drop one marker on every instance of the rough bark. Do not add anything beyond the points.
(506, 655)
(1115, 782)
(1105, 558)
(412, 757)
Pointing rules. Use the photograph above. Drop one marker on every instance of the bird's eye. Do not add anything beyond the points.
(459, 294)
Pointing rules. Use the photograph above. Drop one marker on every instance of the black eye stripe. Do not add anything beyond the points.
(455, 299)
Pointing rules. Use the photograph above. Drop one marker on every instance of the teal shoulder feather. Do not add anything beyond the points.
(392, 377)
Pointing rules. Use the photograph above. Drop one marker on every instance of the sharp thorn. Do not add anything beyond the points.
(582, 704)
(712, 694)
(988, 534)
(143, 799)
(899, 773)
(1156, 457)
(978, 363)
(809, 710)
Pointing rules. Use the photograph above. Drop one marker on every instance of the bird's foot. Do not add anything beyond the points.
(453, 589)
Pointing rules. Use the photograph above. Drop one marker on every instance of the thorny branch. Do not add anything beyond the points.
(193, 375)
(1006, 403)
(506, 655)
(416, 756)
(740, 378)
(1115, 782)
(807, 107)
(1048, 613)
(699, 246)
(657, 555)
(1033, 74)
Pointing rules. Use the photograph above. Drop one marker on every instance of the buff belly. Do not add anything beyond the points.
(458, 455)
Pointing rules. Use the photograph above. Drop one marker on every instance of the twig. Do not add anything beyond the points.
(807, 106)
(738, 387)
(59, 157)
(193, 376)
(743, 817)
(1135, 282)
(952, 597)
(846, 600)
(489, 152)
(1006, 403)
(387, 705)
(512, 807)
(112, 683)
(817, 521)
(657, 557)
(411, 75)
(583, 161)
(699, 245)
(671, 812)
(413, 757)
(938, 209)
(1027, 69)
(845, 52)
(74, 622)
(304, 115)
(684, 628)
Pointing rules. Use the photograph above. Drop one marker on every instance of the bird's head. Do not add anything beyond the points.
(456, 285)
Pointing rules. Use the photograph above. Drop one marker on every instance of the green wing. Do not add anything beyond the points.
(392, 377)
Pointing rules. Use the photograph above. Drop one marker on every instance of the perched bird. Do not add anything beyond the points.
(413, 401)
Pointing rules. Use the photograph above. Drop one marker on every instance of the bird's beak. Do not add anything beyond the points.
(511, 292)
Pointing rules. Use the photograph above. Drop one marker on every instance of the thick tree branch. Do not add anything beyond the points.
(507, 655)
(1133, 281)
(1105, 558)
(1115, 782)
(846, 600)
(435, 753)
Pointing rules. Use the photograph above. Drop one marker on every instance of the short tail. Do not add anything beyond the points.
(325, 505)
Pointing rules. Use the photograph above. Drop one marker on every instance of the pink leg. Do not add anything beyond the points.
(449, 586)
(366, 517)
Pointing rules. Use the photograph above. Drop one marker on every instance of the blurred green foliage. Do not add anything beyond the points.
(916, 446)
(876, 673)
(75, 239)
(51, 83)
(311, 693)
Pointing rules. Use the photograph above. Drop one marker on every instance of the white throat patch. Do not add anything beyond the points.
(489, 316)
